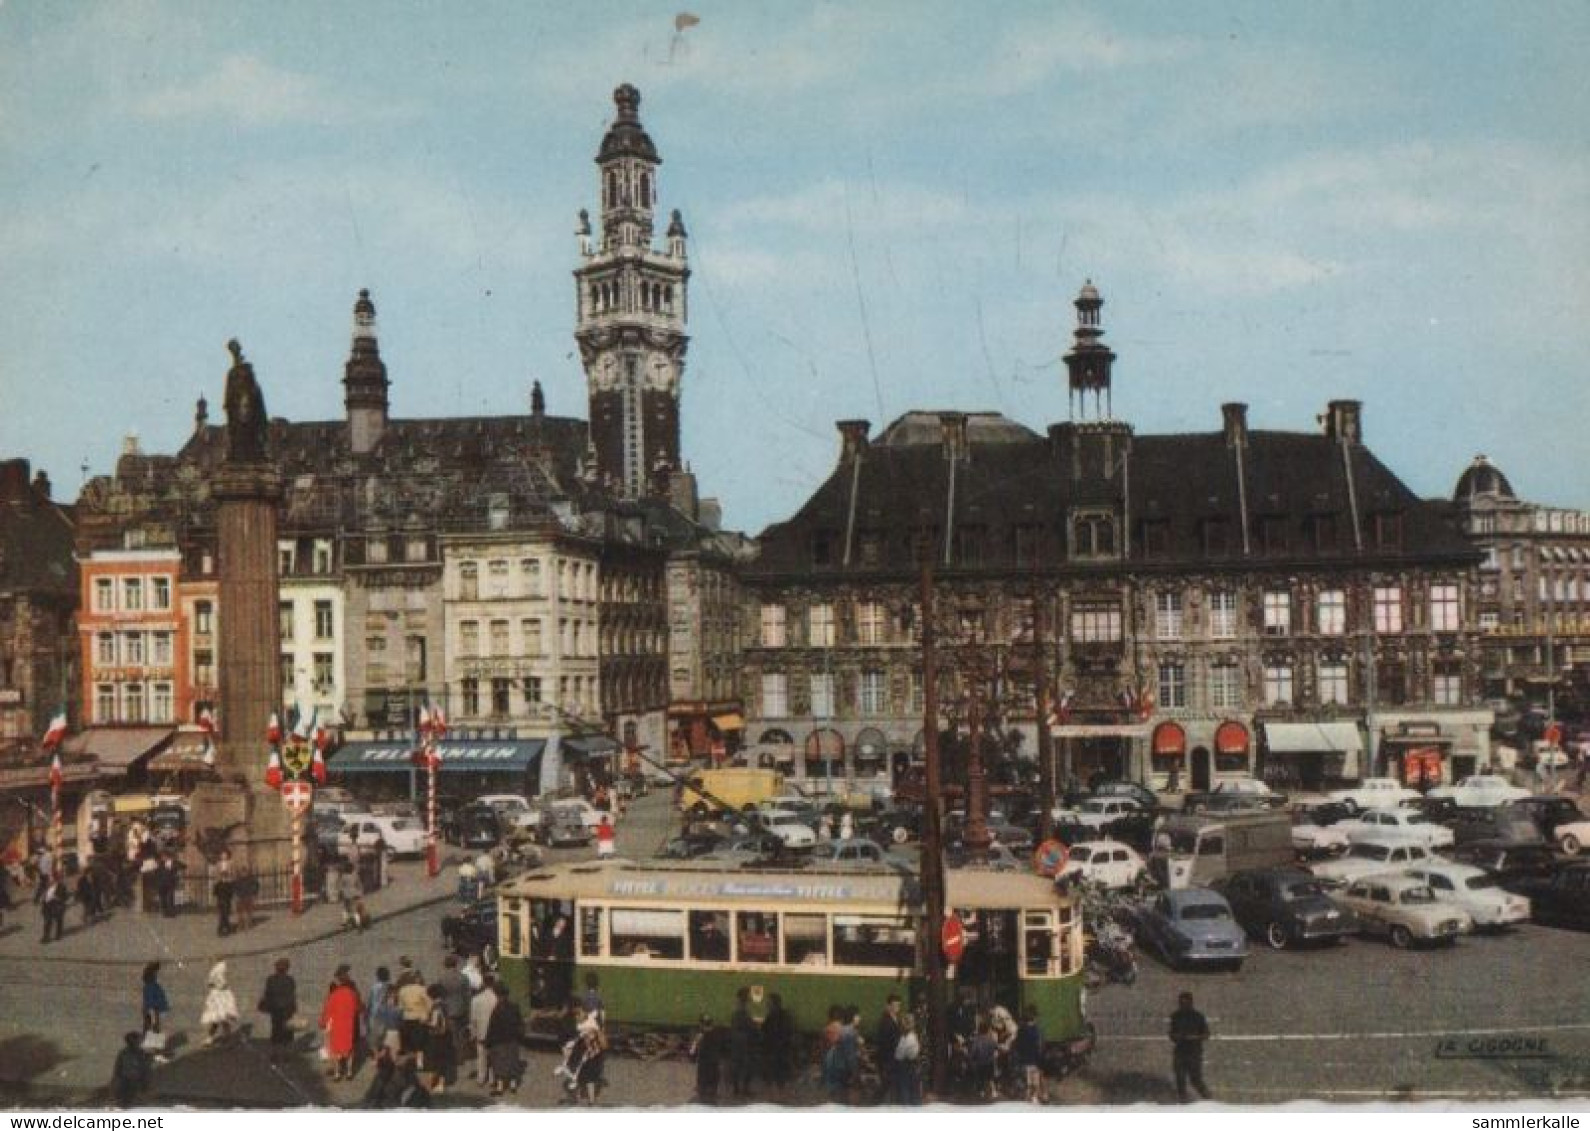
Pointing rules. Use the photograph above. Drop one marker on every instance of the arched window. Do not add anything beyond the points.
(645, 190)
(612, 189)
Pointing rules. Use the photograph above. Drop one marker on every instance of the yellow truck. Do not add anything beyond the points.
(738, 789)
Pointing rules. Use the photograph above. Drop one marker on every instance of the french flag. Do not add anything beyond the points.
(55, 771)
(317, 768)
(207, 723)
(273, 731)
(273, 770)
(438, 722)
(56, 732)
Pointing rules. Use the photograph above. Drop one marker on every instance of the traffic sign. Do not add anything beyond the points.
(1050, 857)
(297, 795)
(954, 938)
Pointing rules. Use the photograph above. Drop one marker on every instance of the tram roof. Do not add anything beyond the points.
(685, 882)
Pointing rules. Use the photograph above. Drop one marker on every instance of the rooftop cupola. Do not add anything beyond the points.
(364, 381)
(628, 161)
(1090, 360)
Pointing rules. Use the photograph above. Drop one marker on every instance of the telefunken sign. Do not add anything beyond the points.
(445, 753)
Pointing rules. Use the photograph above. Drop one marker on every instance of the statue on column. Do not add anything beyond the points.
(246, 422)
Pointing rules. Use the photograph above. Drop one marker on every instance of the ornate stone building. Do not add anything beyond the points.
(1534, 588)
(38, 604)
(1213, 603)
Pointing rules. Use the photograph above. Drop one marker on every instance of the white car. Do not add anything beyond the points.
(1311, 840)
(1403, 909)
(1374, 793)
(1106, 862)
(1368, 858)
(1388, 825)
(1476, 891)
(1571, 836)
(1096, 812)
(789, 828)
(1482, 791)
(590, 815)
(401, 836)
(1244, 787)
(512, 807)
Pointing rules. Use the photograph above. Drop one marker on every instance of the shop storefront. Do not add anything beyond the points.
(1312, 756)
(385, 771)
(1098, 751)
(1167, 753)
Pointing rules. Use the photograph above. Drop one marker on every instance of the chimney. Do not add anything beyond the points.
(711, 515)
(1344, 421)
(682, 493)
(41, 484)
(953, 426)
(1235, 416)
(852, 438)
(14, 480)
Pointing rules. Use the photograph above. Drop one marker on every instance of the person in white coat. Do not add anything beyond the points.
(219, 1019)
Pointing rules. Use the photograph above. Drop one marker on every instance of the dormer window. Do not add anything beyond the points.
(969, 546)
(1156, 537)
(1216, 533)
(1024, 543)
(1388, 531)
(1093, 535)
(1271, 531)
(1323, 533)
(823, 549)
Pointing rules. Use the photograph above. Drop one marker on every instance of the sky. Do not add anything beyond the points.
(891, 206)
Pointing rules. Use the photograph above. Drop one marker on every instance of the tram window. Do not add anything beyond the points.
(709, 936)
(866, 940)
(757, 935)
(1211, 846)
(1040, 941)
(591, 932)
(552, 929)
(513, 929)
(806, 940)
(648, 934)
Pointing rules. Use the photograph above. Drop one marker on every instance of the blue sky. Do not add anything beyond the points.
(891, 207)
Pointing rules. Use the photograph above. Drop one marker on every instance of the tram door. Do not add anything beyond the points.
(551, 953)
(991, 966)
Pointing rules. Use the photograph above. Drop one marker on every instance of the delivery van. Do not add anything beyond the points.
(739, 789)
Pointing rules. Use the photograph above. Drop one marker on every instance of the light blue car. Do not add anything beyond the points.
(1193, 927)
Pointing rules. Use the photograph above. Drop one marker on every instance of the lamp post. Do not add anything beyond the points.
(933, 849)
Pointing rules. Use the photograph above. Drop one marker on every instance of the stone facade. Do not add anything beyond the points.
(38, 601)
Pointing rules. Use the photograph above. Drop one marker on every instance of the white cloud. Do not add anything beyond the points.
(249, 91)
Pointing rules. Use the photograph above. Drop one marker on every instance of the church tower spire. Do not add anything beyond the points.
(364, 381)
(630, 314)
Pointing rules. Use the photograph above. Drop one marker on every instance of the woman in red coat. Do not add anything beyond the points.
(340, 1021)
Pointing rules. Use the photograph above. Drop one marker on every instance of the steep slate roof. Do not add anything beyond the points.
(36, 545)
(1182, 480)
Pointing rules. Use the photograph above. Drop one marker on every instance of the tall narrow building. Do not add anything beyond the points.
(630, 324)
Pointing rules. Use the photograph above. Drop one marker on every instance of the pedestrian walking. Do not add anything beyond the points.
(224, 890)
(129, 1077)
(742, 1045)
(339, 1019)
(87, 896)
(166, 885)
(504, 1034)
(843, 1059)
(778, 1043)
(280, 1002)
(455, 997)
(155, 1003)
(381, 1012)
(44, 872)
(908, 1064)
(441, 1053)
(54, 905)
(886, 1038)
(414, 1011)
(219, 1018)
(350, 892)
(481, 1007)
(708, 1051)
(605, 838)
(983, 1057)
(1188, 1032)
(1026, 1053)
(588, 1077)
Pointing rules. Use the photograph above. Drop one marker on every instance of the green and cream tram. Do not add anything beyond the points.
(667, 943)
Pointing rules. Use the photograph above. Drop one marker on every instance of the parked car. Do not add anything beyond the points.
(893, 826)
(853, 852)
(1145, 797)
(1368, 858)
(512, 807)
(327, 829)
(1506, 823)
(1106, 862)
(1285, 906)
(690, 846)
(473, 930)
(1401, 824)
(1512, 864)
(590, 815)
(1441, 810)
(562, 826)
(789, 828)
(1100, 811)
(1192, 926)
(755, 848)
(998, 858)
(1476, 891)
(400, 836)
(1374, 793)
(1480, 791)
(478, 826)
(1558, 819)
(1404, 910)
(1562, 900)
(1312, 840)
(1234, 794)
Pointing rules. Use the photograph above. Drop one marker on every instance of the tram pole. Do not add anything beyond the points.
(933, 852)
(1040, 677)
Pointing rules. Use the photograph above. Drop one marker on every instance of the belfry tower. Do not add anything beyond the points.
(630, 314)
